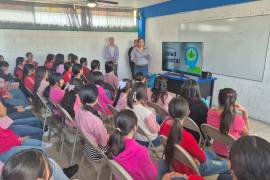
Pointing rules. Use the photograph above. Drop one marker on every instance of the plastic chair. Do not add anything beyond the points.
(111, 88)
(214, 133)
(74, 130)
(190, 124)
(48, 111)
(118, 172)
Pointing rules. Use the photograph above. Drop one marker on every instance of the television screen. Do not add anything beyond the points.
(182, 57)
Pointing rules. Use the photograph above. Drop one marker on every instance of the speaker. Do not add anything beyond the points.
(206, 74)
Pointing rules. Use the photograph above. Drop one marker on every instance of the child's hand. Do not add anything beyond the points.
(239, 107)
(7, 96)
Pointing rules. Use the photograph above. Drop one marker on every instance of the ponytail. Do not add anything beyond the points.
(137, 94)
(124, 87)
(125, 122)
(91, 109)
(119, 92)
(227, 99)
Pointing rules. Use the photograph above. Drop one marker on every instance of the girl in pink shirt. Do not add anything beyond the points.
(58, 64)
(226, 120)
(89, 122)
(133, 157)
(29, 76)
(54, 91)
(160, 94)
(110, 77)
(120, 101)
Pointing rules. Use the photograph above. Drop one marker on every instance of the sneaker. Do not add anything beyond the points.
(46, 145)
(71, 170)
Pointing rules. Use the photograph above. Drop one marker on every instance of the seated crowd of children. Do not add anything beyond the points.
(85, 94)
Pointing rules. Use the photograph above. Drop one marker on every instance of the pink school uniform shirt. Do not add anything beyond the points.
(122, 102)
(56, 94)
(91, 126)
(112, 79)
(42, 87)
(60, 69)
(213, 119)
(135, 159)
(103, 100)
(167, 100)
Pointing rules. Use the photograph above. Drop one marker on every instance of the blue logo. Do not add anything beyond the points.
(191, 56)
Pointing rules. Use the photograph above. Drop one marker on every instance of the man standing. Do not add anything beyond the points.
(131, 63)
(111, 53)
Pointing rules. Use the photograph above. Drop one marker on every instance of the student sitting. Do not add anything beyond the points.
(77, 71)
(95, 65)
(49, 61)
(4, 74)
(34, 164)
(41, 80)
(68, 72)
(83, 62)
(18, 70)
(58, 65)
(207, 161)
(54, 91)
(198, 109)
(146, 118)
(160, 93)
(74, 59)
(133, 157)
(139, 77)
(89, 122)
(69, 57)
(30, 59)
(120, 101)
(226, 120)
(29, 76)
(97, 78)
(249, 159)
(109, 76)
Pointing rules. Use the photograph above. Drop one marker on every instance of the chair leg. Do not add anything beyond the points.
(62, 143)
(74, 146)
(81, 164)
(100, 169)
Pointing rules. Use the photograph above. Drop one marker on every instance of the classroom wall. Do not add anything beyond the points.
(254, 95)
(14, 43)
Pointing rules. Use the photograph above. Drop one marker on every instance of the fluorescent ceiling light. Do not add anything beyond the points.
(91, 5)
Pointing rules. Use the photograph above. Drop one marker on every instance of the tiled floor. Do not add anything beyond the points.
(87, 171)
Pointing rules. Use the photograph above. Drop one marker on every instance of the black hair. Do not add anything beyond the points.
(122, 90)
(95, 64)
(96, 77)
(19, 61)
(109, 66)
(227, 98)
(4, 64)
(83, 61)
(2, 57)
(67, 65)
(26, 69)
(54, 78)
(39, 76)
(159, 91)
(137, 94)
(73, 59)
(125, 122)
(139, 77)
(69, 56)
(49, 58)
(27, 165)
(27, 54)
(58, 59)
(88, 95)
(76, 68)
(250, 158)
(70, 96)
(178, 110)
(190, 91)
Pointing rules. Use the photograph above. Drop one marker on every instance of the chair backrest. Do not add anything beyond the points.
(112, 109)
(160, 110)
(190, 124)
(215, 134)
(184, 157)
(65, 113)
(118, 171)
(111, 88)
(163, 140)
(43, 101)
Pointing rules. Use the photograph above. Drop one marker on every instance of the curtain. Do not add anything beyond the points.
(63, 17)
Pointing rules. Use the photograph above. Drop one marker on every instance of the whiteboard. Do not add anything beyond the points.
(232, 47)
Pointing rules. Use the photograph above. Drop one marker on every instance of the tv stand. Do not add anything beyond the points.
(176, 80)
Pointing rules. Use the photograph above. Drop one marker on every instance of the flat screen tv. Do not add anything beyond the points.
(182, 57)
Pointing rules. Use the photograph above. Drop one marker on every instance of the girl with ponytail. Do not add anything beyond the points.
(146, 118)
(208, 163)
(89, 122)
(227, 120)
(124, 88)
(133, 157)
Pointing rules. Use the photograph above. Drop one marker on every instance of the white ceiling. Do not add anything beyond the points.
(122, 3)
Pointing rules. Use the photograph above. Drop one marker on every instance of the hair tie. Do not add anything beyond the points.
(134, 97)
(119, 130)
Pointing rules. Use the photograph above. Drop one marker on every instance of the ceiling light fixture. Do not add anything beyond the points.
(91, 5)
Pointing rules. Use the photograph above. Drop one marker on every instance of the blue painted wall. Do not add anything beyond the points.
(177, 6)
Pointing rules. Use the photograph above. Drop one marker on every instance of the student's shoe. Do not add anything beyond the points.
(46, 145)
(71, 170)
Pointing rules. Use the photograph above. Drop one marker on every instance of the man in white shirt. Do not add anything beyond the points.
(111, 53)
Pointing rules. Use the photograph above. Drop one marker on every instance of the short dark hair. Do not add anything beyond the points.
(67, 65)
(27, 54)
(76, 68)
(95, 64)
(83, 60)
(139, 77)
(109, 66)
